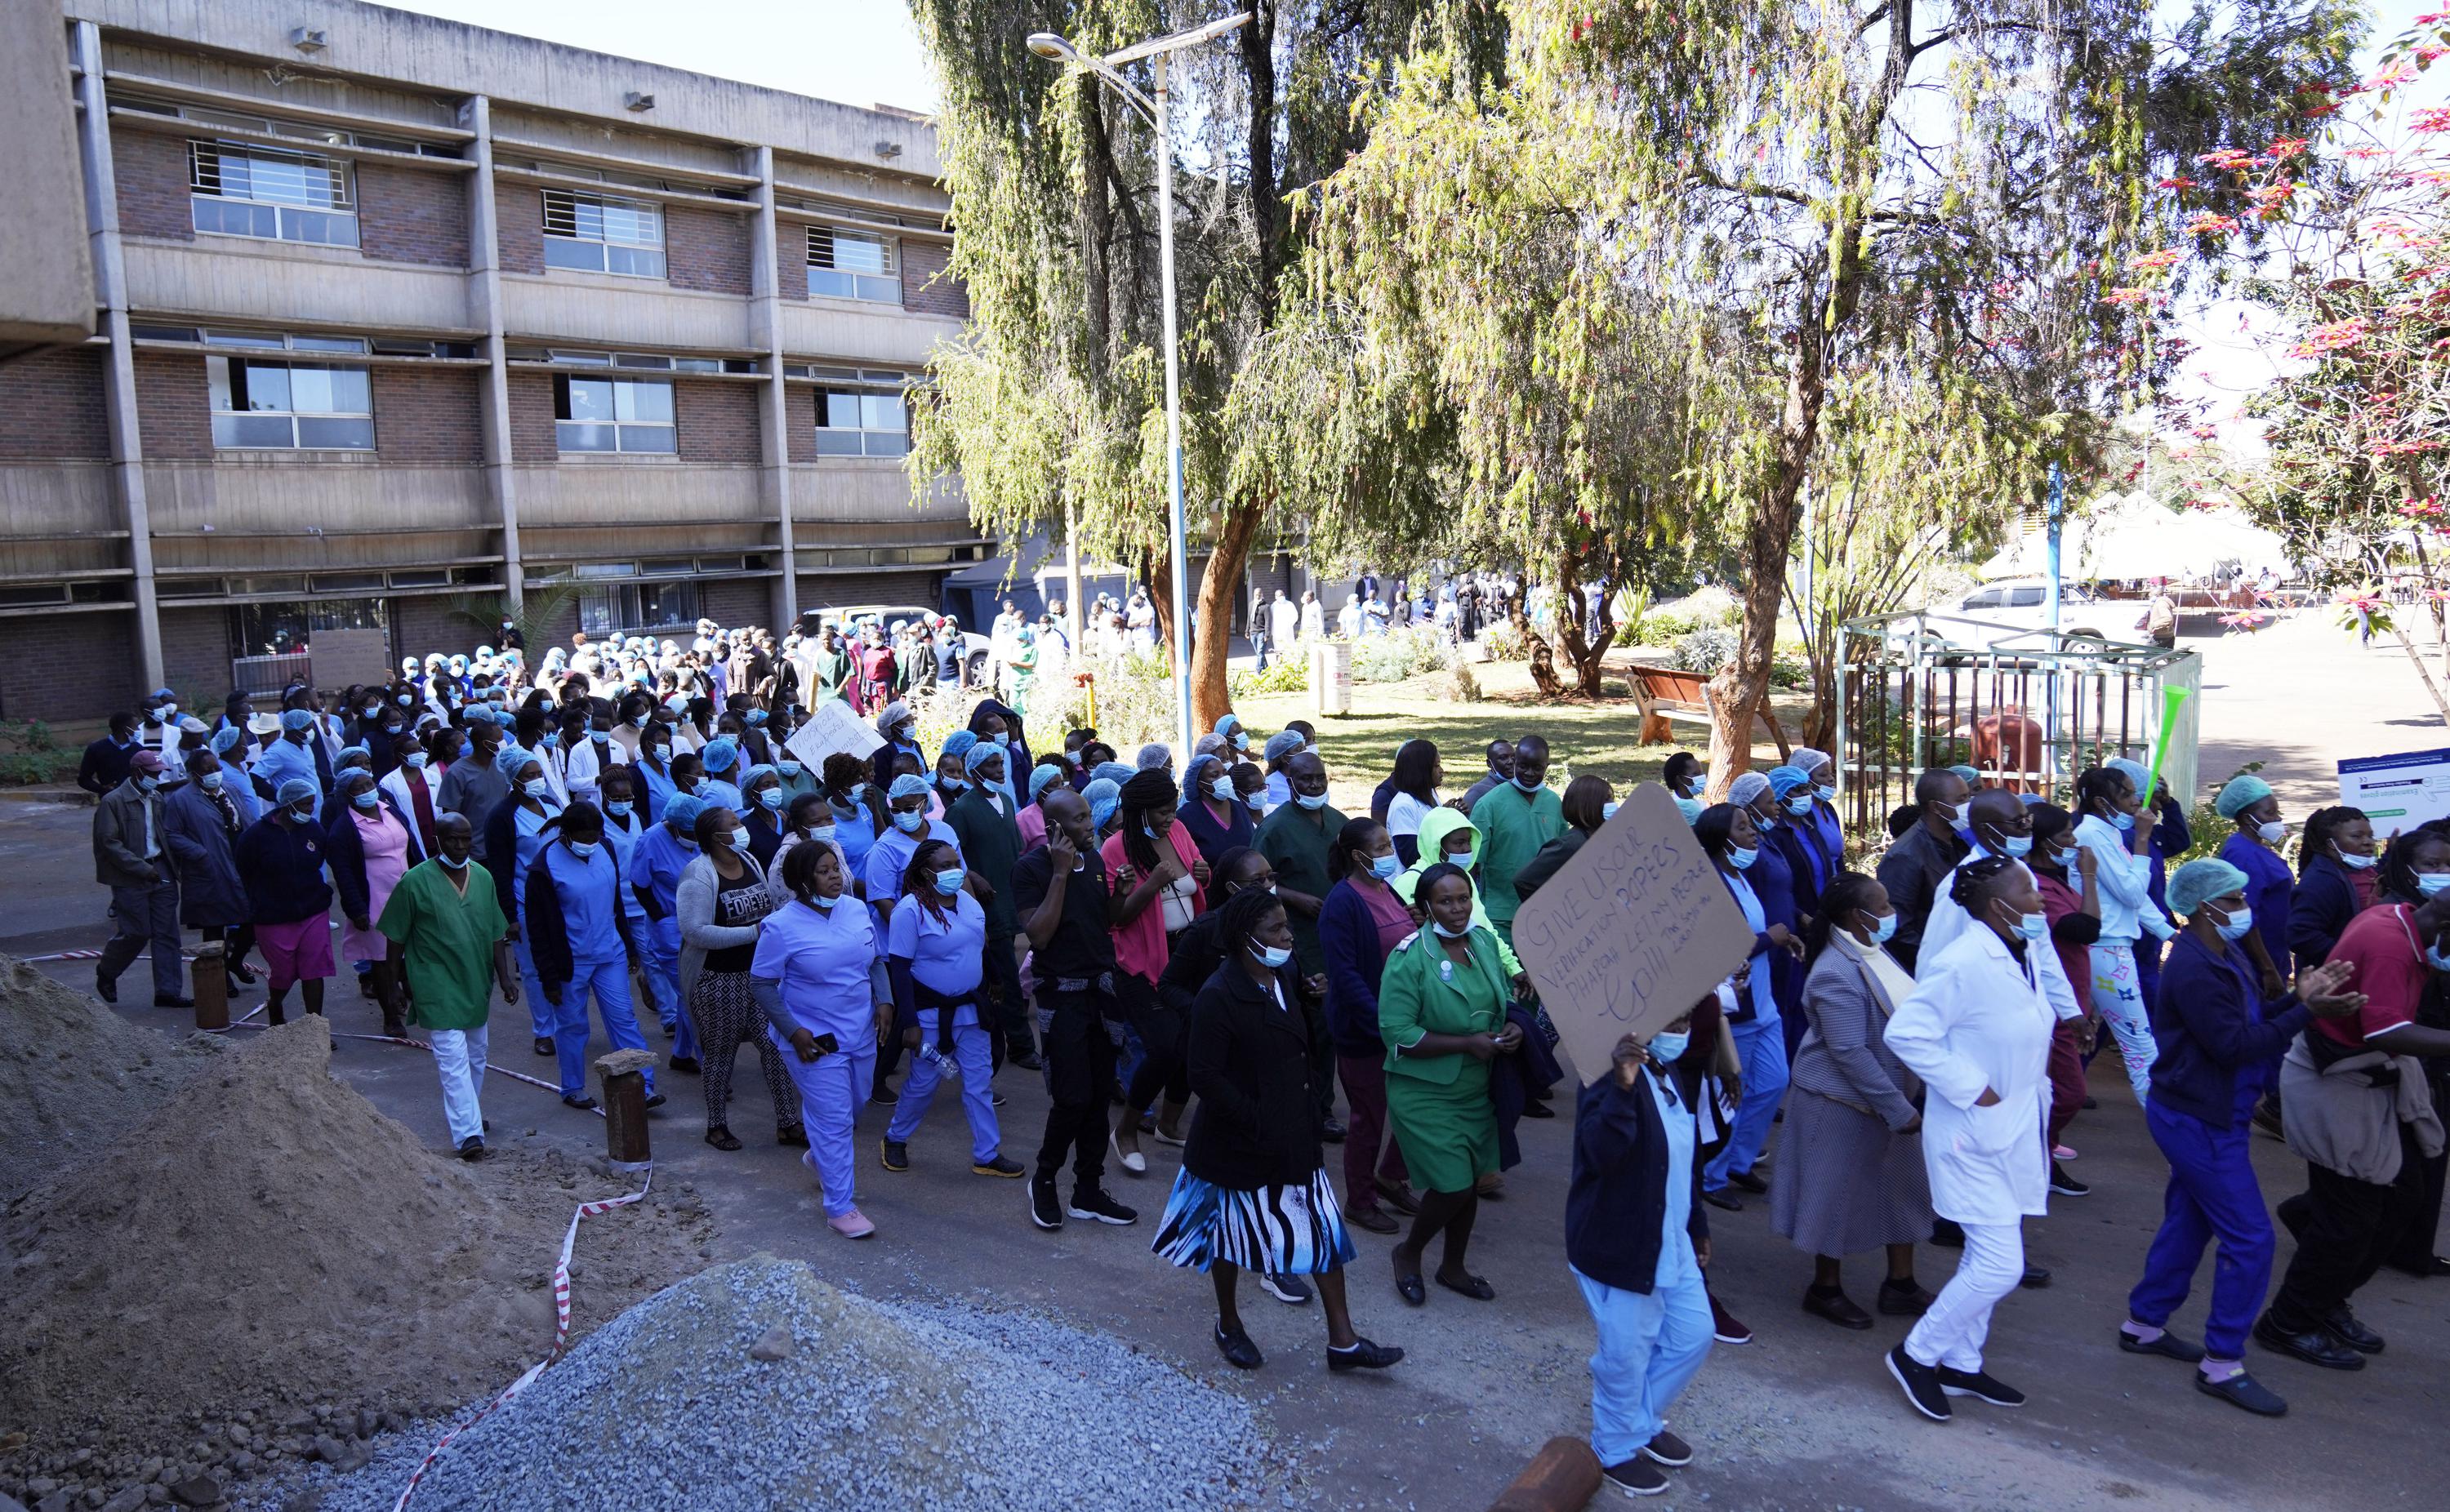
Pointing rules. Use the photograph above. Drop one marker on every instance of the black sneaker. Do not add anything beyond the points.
(656, 1099)
(1291, 1290)
(472, 1148)
(1094, 1203)
(1025, 1061)
(1981, 1385)
(1362, 1356)
(173, 1000)
(1720, 1198)
(106, 988)
(1667, 1450)
(2168, 1345)
(1237, 1348)
(687, 1065)
(1636, 1477)
(2315, 1346)
(2065, 1185)
(2035, 1277)
(1046, 1208)
(1922, 1384)
(1001, 1166)
(1332, 1132)
(2245, 1391)
(578, 1101)
(543, 1047)
(893, 1154)
(1746, 1181)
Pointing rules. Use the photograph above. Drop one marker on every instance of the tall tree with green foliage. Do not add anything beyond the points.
(1769, 201)
(1051, 406)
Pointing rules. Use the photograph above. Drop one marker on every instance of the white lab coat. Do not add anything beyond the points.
(1948, 924)
(1979, 1018)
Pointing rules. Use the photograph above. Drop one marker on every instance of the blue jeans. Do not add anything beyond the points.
(1649, 1349)
(1760, 1044)
(609, 981)
(2212, 1195)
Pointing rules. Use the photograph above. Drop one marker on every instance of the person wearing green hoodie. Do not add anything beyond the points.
(1447, 835)
(1514, 819)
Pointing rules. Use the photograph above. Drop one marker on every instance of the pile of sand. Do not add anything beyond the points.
(73, 1075)
(267, 1239)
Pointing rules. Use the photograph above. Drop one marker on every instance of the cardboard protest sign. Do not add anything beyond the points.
(1630, 933)
(833, 728)
(342, 657)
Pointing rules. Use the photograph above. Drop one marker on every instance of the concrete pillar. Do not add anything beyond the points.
(774, 456)
(624, 1074)
(119, 382)
(485, 309)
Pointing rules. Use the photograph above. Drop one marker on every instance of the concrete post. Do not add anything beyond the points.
(774, 435)
(119, 385)
(623, 1073)
(485, 309)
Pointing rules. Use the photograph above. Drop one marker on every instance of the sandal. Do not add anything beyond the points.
(1471, 1286)
(721, 1137)
(792, 1135)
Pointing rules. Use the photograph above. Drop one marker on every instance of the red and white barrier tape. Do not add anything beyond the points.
(419, 1044)
(560, 1332)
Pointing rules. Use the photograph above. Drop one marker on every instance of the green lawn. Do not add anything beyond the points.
(1600, 739)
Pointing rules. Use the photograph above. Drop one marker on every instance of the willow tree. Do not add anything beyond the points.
(1051, 406)
(1790, 194)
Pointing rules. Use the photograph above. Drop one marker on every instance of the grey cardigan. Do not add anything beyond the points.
(694, 908)
(1845, 1056)
(2337, 1118)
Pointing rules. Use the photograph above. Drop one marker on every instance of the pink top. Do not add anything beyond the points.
(386, 849)
(1393, 918)
(1141, 945)
(1032, 821)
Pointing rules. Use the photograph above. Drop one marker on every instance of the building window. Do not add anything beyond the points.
(862, 424)
(597, 233)
(852, 266)
(623, 607)
(289, 406)
(244, 190)
(612, 414)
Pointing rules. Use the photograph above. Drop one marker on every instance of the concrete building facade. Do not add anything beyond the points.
(398, 317)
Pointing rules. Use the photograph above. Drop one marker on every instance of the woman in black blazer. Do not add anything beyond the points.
(1253, 1191)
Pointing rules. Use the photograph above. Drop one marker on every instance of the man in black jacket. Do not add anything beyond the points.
(105, 765)
(1915, 868)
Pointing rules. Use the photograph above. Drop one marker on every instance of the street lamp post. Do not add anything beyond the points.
(1047, 45)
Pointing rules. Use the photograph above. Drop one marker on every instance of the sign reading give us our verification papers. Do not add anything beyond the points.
(1630, 933)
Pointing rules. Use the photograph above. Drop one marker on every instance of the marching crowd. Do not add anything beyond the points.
(1201, 941)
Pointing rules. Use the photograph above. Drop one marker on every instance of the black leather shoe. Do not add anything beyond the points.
(687, 1065)
(543, 1046)
(2035, 1278)
(2245, 1391)
(2342, 1324)
(1836, 1307)
(106, 988)
(1948, 1231)
(1239, 1350)
(580, 1102)
(1722, 1199)
(1904, 1299)
(2314, 1347)
(1364, 1355)
(1374, 1219)
(1330, 1131)
(172, 1000)
(2167, 1345)
(1746, 1181)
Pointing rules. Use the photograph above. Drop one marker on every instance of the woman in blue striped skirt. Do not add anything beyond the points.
(1253, 1192)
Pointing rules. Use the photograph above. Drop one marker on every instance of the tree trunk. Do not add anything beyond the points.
(1574, 603)
(1210, 698)
(2440, 704)
(1160, 578)
(1535, 645)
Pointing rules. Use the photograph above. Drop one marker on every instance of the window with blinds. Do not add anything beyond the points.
(598, 233)
(852, 266)
(241, 189)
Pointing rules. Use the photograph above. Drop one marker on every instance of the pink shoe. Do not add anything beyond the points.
(2061, 1152)
(852, 1225)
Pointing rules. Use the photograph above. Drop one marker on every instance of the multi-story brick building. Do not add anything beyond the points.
(400, 317)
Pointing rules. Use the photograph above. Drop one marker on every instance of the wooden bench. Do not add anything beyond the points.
(1669, 693)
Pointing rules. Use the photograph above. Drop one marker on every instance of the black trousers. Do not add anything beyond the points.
(1011, 1009)
(1163, 1033)
(2344, 1229)
(1080, 1069)
(2416, 1247)
(1322, 1060)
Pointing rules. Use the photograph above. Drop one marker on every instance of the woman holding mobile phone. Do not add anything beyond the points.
(820, 977)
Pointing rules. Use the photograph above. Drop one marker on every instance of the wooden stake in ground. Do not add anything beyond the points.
(624, 1074)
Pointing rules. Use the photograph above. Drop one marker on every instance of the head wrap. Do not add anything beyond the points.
(1281, 745)
(1810, 762)
(2244, 791)
(982, 752)
(294, 789)
(909, 784)
(1154, 755)
(719, 754)
(1150, 788)
(1115, 772)
(1745, 788)
(2197, 881)
(227, 739)
(510, 759)
(1041, 777)
(1785, 780)
(297, 718)
(1103, 797)
(959, 744)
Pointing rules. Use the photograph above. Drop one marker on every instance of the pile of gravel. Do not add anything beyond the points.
(756, 1385)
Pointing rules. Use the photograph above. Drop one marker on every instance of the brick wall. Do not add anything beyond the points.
(101, 647)
(407, 215)
(422, 624)
(800, 421)
(707, 249)
(151, 170)
(174, 408)
(428, 414)
(532, 432)
(921, 288)
(51, 405)
(791, 260)
(196, 652)
(518, 216)
(734, 602)
(717, 421)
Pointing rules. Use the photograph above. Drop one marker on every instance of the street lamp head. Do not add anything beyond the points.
(1047, 45)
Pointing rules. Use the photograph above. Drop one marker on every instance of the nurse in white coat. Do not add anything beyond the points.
(1977, 1032)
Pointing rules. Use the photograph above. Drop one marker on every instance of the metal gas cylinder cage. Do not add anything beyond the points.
(2028, 709)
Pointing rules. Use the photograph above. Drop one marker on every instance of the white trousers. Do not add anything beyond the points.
(1950, 1333)
(460, 1059)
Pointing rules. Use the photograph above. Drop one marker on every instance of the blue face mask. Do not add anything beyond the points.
(2033, 926)
(2435, 958)
(1884, 929)
(2126, 822)
(413, 761)
(213, 781)
(954, 783)
(1311, 803)
(771, 797)
(1666, 1048)
(1386, 868)
(909, 823)
(788, 768)
(583, 850)
(1827, 795)
(2236, 923)
(2015, 847)
(1150, 833)
(1608, 811)
(2353, 862)
(1241, 742)
(366, 800)
(1741, 858)
(1222, 790)
(949, 883)
(1003, 741)
(1799, 807)
(618, 808)
(2430, 883)
(1271, 957)
(1529, 786)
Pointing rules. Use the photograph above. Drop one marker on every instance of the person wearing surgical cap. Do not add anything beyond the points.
(1115, 772)
(2248, 803)
(1104, 797)
(295, 755)
(986, 826)
(1781, 877)
(1282, 744)
(1825, 824)
(229, 747)
(1798, 837)
(281, 862)
(1211, 810)
(2218, 1041)
(1032, 820)
(720, 757)
(1156, 757)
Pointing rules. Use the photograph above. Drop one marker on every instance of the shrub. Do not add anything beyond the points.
(29, 754)
(1397, 655)
(1789, 671)
(1706, 649)
(1291, 675)
(1504, 645)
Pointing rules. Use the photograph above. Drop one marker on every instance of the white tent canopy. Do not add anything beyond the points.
(2132, 537)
